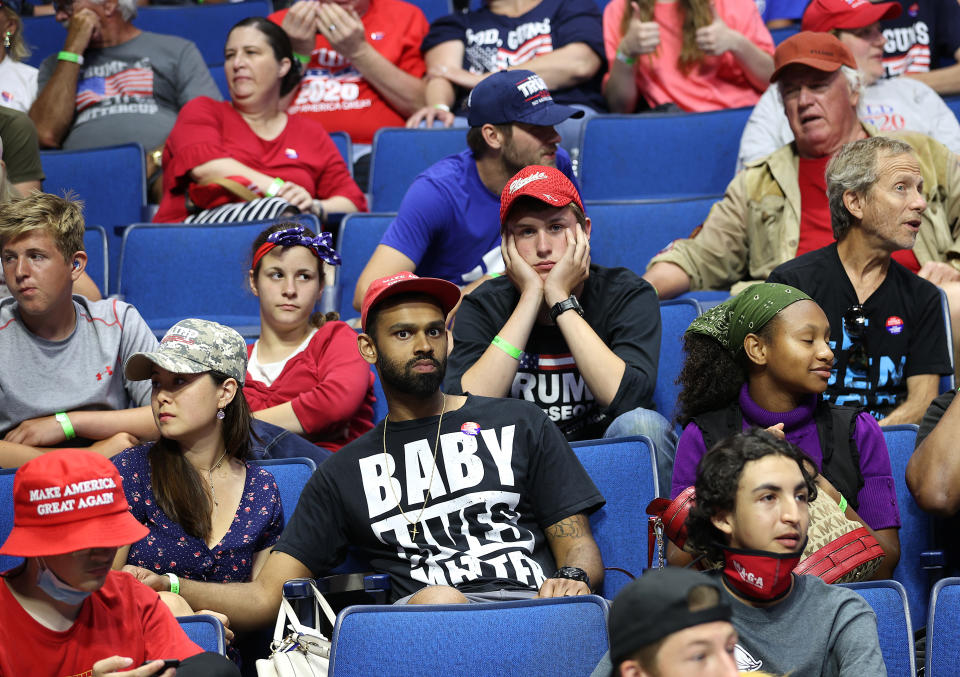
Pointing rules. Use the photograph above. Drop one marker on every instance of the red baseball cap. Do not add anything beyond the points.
(547, 184)
(821, 51)
(827, 15)
(447, 293)
(69, 500)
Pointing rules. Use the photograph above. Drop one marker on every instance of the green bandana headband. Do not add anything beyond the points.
(747, 313)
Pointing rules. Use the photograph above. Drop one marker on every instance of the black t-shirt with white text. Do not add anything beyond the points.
(926, 32)
(905, 333)
(504, 473)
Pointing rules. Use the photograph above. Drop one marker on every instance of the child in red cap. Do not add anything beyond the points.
(63, 612)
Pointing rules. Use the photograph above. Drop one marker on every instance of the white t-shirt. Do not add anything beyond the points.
(268, 373)
(18, 84)
(889, 105)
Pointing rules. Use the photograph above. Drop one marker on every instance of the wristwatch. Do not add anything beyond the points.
(573, 573)
(565, 305)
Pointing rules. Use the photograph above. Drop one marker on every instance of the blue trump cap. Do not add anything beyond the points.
(515, 96)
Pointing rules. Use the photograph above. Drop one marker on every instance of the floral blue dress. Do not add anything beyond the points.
(256, 526)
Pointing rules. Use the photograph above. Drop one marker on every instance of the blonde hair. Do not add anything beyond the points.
(61, 217)
(696, 14)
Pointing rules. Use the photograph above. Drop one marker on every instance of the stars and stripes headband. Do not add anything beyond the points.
(295, 236)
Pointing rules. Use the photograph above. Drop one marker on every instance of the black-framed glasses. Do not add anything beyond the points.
(855, 327)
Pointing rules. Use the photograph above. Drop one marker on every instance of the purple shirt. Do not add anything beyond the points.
(256, 526)
(878, 497)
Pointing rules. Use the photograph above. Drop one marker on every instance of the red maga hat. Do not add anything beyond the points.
(827, 15)
(547, 184)
(69, 500)
(447, 293)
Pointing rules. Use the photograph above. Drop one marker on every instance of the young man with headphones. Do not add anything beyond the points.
(62, 380)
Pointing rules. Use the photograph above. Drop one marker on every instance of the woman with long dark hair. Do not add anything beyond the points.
(212, 516)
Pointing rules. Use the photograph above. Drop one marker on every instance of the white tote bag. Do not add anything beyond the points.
(301, 651)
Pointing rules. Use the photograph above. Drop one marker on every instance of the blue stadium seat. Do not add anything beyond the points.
(675, 316)
(947, 381)
(291, 475)
(630, 233)
(359, 236)
(625, 472)
(434, 9)
(205, 631)
(343, 143)
(916, 530)
(108, 203)
(207, 26)
(954, 103)
(943, 640)
(173, 271)
(399, 155)
(888, 600)
(98, 258)
(560, 636)
(220, 77)
(660, 155)
(6, 515)
(380, 405)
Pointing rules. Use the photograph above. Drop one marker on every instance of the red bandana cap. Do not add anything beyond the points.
(820, 51)
(69, 500)
(547, 184)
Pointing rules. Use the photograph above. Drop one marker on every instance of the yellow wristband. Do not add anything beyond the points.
(67, 426)
(507, 347)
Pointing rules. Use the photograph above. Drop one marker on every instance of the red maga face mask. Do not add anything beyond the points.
(758, 575)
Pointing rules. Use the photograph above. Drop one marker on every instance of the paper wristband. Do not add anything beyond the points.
(174, 583)
(506, 347)
(274, 187)
(70, 56)
(67, 426)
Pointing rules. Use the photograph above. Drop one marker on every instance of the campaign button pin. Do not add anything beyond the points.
(470, 428)
(894, 325)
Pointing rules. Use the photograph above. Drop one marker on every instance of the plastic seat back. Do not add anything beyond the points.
(675, 316)
(625, 472)
(943, 641)
(888, 599)
(205, 631)
(399, 155)
(6, 515)
(98, 257)
(291, 475)
(537, 637)
(359, 236)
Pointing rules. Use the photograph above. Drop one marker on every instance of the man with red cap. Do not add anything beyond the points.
(889, 104)
(777, 209)
(63, 611)
(458, 498)
(579, 340)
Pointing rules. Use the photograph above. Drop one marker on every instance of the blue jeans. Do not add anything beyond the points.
(648, 422)
(277, 442)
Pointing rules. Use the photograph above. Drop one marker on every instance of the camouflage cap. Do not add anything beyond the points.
(192, 347)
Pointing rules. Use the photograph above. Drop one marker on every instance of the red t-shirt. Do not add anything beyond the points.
(333, 91)
(815, 228)
(123, 618)
(328, 384)
(207, 130)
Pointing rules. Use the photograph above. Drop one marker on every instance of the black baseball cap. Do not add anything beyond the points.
(656, 605)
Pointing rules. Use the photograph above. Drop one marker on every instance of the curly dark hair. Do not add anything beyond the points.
(718, 478)
(711, 377)
(317, 319)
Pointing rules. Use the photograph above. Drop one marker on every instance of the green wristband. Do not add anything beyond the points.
(494, 276)
(843, 503)
(302, 58)
(67, 426)
(275, 187)
(622, 57)
(506, 347)
(73, 57)
(174, 583)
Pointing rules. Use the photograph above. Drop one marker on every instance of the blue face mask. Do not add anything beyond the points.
(57, 589)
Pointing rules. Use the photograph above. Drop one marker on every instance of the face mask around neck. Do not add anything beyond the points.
(758, 575)
(57, 589)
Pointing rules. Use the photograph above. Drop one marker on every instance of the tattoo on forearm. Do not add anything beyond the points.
(571, 527)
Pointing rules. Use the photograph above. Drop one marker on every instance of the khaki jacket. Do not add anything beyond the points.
(756, 226)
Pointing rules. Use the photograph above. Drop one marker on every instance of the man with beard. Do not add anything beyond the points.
(459, 498)
(448, 224)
